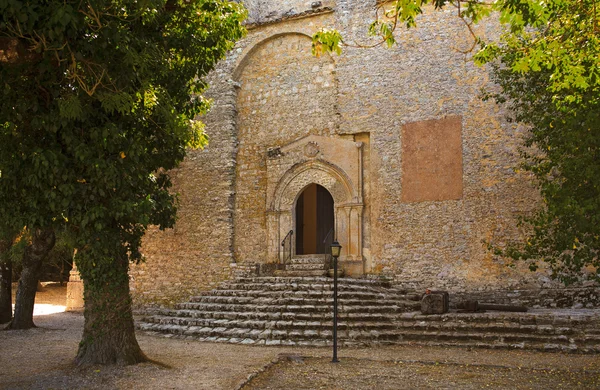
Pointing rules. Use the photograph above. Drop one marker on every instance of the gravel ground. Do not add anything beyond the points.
(353, 373)
(41, 358)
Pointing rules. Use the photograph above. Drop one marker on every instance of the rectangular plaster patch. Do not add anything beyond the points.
(432, 160)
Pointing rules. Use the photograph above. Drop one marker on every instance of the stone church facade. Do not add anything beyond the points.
(392, 151)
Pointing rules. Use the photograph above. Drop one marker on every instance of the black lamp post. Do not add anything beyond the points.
(335, 253)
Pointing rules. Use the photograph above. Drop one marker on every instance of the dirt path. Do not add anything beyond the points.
(41, 359)
(355, 374)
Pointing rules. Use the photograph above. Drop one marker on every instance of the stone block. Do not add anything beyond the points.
(435, 303)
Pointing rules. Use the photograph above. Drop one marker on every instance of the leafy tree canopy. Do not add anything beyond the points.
(105, 97)
(559, 37)
(562, 151)
(98, 101)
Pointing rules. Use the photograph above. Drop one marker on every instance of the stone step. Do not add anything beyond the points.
(357, 337)
(309, 281)
(309, 256)
(490, 328)
(289, 325)
(350, 306)
(306, 283)
(253, 296)
(358, 317)
(539, 345)
(306, 293)
(286, 316)
(300, 273)
(306, 267)
(321, 335)
(256, 293)
(364, 321)
(309, 259)
(319, 304)
(532, 317)
(544, 347)
(484, 337)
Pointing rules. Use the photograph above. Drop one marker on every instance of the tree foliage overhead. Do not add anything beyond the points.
(550, 78)
(98, 101)
(560, 37)
(108, 98)
(562, 151)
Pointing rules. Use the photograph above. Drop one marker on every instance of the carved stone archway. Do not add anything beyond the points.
(336, 165)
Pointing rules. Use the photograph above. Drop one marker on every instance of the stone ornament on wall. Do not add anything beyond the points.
(311, 149)
(334, 163)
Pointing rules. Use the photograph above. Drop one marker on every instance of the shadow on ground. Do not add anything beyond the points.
(352, 373)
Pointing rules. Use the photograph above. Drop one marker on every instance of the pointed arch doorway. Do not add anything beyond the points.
(336, 165)
(314, 220)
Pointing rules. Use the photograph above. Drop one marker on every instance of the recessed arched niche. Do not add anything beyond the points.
(313, 162)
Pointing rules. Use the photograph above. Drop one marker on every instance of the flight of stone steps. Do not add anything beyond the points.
(541, 329)
(281, 310)
(305, 266)
(298, 311)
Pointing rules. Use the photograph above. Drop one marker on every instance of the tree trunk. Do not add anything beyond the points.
(108, 332)
(5, 283)
(42, 243)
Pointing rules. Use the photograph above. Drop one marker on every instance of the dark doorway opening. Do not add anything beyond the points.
(314, 220)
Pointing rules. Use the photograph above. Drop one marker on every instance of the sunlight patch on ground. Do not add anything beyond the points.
(42, 309)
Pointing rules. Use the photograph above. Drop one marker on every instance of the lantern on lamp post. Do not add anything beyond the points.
(336, 248)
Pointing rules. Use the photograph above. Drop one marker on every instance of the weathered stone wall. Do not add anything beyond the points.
(197, 253)
(285, 93)
(268, 11)
(434, 243)
(271, 91)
